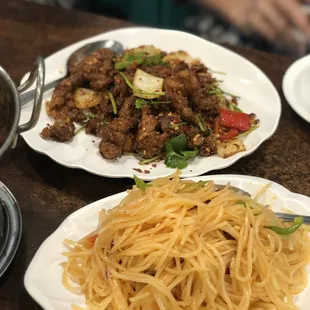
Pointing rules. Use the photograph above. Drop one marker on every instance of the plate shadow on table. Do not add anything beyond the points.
(52, 176)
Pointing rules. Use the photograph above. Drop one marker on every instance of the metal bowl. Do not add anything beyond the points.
(10, 227)
(10, 105)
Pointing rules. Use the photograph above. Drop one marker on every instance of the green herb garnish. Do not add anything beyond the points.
(218, 72)
(245, 133)
(201, 122)
(91, 115)
(80, 129)
(189, 154)
(178, 125)
(105, 122)
(150, 160)
(114, 107)
(177, 144)
(141, 102)
(175, 161)
(177, 153)
(138, 58)
(234, 107)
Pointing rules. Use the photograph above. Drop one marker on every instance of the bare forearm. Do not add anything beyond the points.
(276, 20)
(226, 8)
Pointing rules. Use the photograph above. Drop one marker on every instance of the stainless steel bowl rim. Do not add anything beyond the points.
(39, 76)
(14, 219)
(13, 131)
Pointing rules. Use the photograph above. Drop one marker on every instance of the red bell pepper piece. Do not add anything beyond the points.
(233, 119)
(92, 239)
(229, 135)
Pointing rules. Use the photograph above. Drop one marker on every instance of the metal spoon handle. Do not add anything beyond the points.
(290, 217)
(29, 95)
(284, 216)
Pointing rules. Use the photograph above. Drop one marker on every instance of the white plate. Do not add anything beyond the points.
(296, 87)
(258, 95)
(43, 276)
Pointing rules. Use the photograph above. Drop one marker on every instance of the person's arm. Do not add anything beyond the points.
(230, 10)
(272, 19)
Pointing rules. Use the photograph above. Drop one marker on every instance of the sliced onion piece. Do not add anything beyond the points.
(147, 86)
(86, 98)
(180, 56)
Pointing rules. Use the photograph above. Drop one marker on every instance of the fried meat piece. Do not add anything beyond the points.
(61, 130)
(109, 150)
(191, 82)
(97, 69)
(169, 121)
(150, 142)
(118, 131)
(210, 146)
(120, 87)
(63, 92)
(181, 106)
(174, 84)
(159, 71)
(207, 104)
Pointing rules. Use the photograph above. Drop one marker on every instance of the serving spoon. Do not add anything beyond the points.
(75, 58)
(284, 216)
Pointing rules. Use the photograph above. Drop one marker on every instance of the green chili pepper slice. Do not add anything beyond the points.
(140, 183)
(298, 221)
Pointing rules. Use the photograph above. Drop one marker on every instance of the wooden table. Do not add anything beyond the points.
(48, 192)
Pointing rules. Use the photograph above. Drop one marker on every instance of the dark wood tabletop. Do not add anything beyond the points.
(47, 192)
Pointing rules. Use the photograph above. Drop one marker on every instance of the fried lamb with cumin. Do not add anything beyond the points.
(186, 106)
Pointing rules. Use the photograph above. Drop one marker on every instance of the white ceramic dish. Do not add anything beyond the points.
(258, 95)
(296, 87)
(43, 276)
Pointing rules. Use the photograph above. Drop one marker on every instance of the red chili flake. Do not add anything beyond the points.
(154, 165)
(146, 171)
(137, 169)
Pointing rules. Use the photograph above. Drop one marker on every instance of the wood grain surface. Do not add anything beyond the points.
(48, 192)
